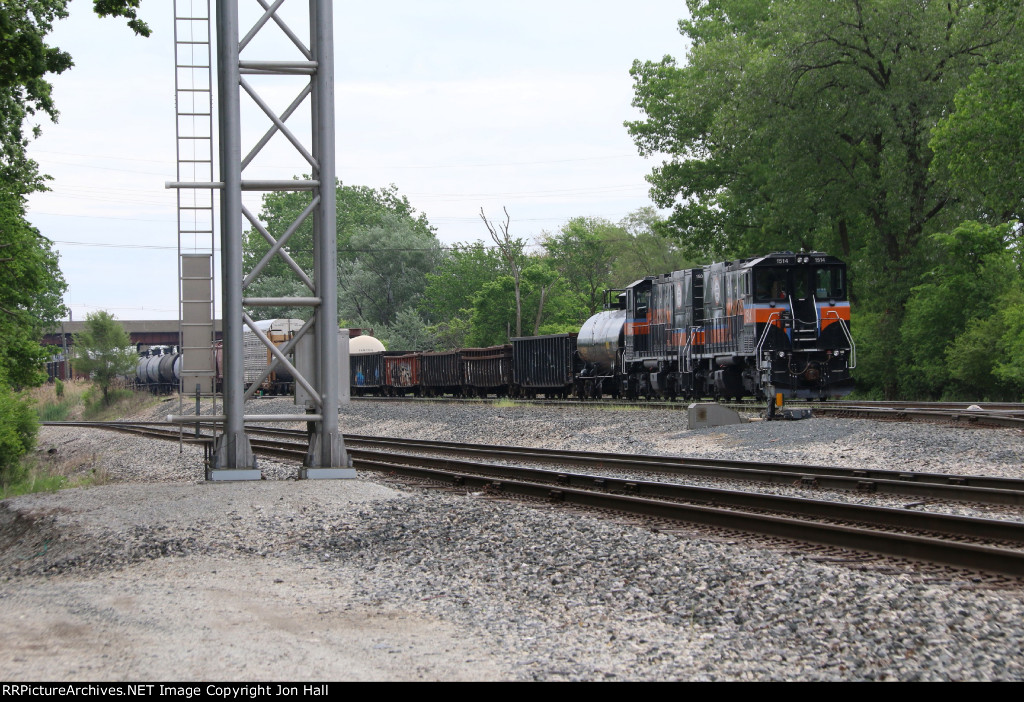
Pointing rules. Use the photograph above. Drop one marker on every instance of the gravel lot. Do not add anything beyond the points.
(159, 575)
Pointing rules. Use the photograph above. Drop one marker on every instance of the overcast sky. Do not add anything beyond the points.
(460, 104)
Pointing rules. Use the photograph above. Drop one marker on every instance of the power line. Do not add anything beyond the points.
(494, 164)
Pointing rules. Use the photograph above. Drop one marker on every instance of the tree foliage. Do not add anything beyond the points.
(978, 146)
(644, 251)
(388, 271)
(104, 350)
(956, 318)
(385, 248)
(409, 333)
(18, 426)
(808, 126)
(25, 62)
(583, 254)
(31, 285)
(448, 299)
(511, 251)
(31, 294)
(461, 272)
(358, 208)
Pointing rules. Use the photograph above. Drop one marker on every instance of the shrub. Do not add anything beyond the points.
(18, 426)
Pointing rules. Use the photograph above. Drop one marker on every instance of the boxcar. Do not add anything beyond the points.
(258, 357)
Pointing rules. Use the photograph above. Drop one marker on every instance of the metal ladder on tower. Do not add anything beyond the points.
(193, 104)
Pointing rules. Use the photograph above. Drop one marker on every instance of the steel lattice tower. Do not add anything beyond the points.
(326, 457)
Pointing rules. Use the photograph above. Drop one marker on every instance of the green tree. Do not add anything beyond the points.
(978, 146)
(461, 272)
(104, 350)
(447, 300)
(644, 251)
(984, 361)
(956, 305)
(545, 301)
(359, 208)
(362, 214)
(583, 253)
(31, 285)
(511, 251)
(409, 333)
(18, 427)
(798, 125)
(25, 61)
(494, 313)
(1008, 367)
(388, 273)
(31, 292)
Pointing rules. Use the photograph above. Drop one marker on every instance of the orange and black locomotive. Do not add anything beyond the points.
(776, 324)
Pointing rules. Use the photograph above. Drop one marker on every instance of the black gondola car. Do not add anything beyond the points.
(367, 373)
(441, 373)
(544, 364)
(486, 371)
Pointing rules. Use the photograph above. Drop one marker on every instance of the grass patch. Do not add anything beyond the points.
(616, 407)
(32, 480)
(54, 406)
(120, 403)
(504, 402)
(47, 471)
(83, 400)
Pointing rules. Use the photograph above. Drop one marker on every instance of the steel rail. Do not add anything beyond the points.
(955, 525)
(936, 550)
(975, 488)
(973, 417)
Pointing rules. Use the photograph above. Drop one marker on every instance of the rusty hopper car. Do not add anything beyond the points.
(402, 373)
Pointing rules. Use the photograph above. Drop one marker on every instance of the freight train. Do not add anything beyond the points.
(765, 326)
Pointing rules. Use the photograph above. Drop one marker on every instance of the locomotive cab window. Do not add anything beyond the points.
(829, 283)
(771, 284)
(643, 301)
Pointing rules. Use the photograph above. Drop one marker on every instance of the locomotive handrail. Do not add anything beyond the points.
(834, 315)
(684, 352)
(774, 316)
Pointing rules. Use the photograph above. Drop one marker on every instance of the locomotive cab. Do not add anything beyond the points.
(800, 316)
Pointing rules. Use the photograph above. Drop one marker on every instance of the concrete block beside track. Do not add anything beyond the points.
(709, 414)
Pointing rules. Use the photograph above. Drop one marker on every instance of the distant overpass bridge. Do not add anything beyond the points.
(145, 334)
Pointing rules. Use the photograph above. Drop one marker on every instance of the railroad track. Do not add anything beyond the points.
(966, 542)
(1010, 418)
(944, 486)
(992, 414)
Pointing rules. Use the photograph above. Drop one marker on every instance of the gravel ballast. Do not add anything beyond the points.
(159, 575)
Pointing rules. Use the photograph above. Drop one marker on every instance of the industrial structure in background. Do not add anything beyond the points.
(318, 338)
